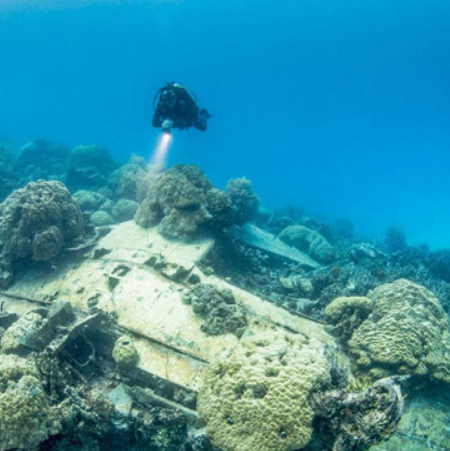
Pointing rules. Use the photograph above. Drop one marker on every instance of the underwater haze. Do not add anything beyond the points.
(341, 108)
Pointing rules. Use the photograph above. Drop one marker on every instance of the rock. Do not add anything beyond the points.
(309, 241)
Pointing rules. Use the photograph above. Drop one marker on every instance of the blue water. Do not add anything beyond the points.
(340, 107)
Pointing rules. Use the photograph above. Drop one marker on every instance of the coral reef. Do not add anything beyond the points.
(8, 176)
(26, 418)
(183, 203)
(257, 397)
(245, 201)
(407, 331)
(41, 159)
(218, 308)
(12, 368)
(124, 210)
(89, 201)
(88, 167)
(130, 180)
(395, 239)
(439, 264)
(309, 241)
(358, 267)
(36, 222)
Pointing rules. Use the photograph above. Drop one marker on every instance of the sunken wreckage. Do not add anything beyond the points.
(131, 344)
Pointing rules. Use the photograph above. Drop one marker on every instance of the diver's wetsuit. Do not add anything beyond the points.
(177, 105)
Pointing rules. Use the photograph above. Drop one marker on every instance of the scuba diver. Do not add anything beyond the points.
(176, 108)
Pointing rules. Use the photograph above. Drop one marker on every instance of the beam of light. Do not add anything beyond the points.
(158, 159)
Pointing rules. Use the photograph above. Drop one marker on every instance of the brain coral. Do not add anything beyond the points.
(26, 418)
(257, 396)
(407, 332)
